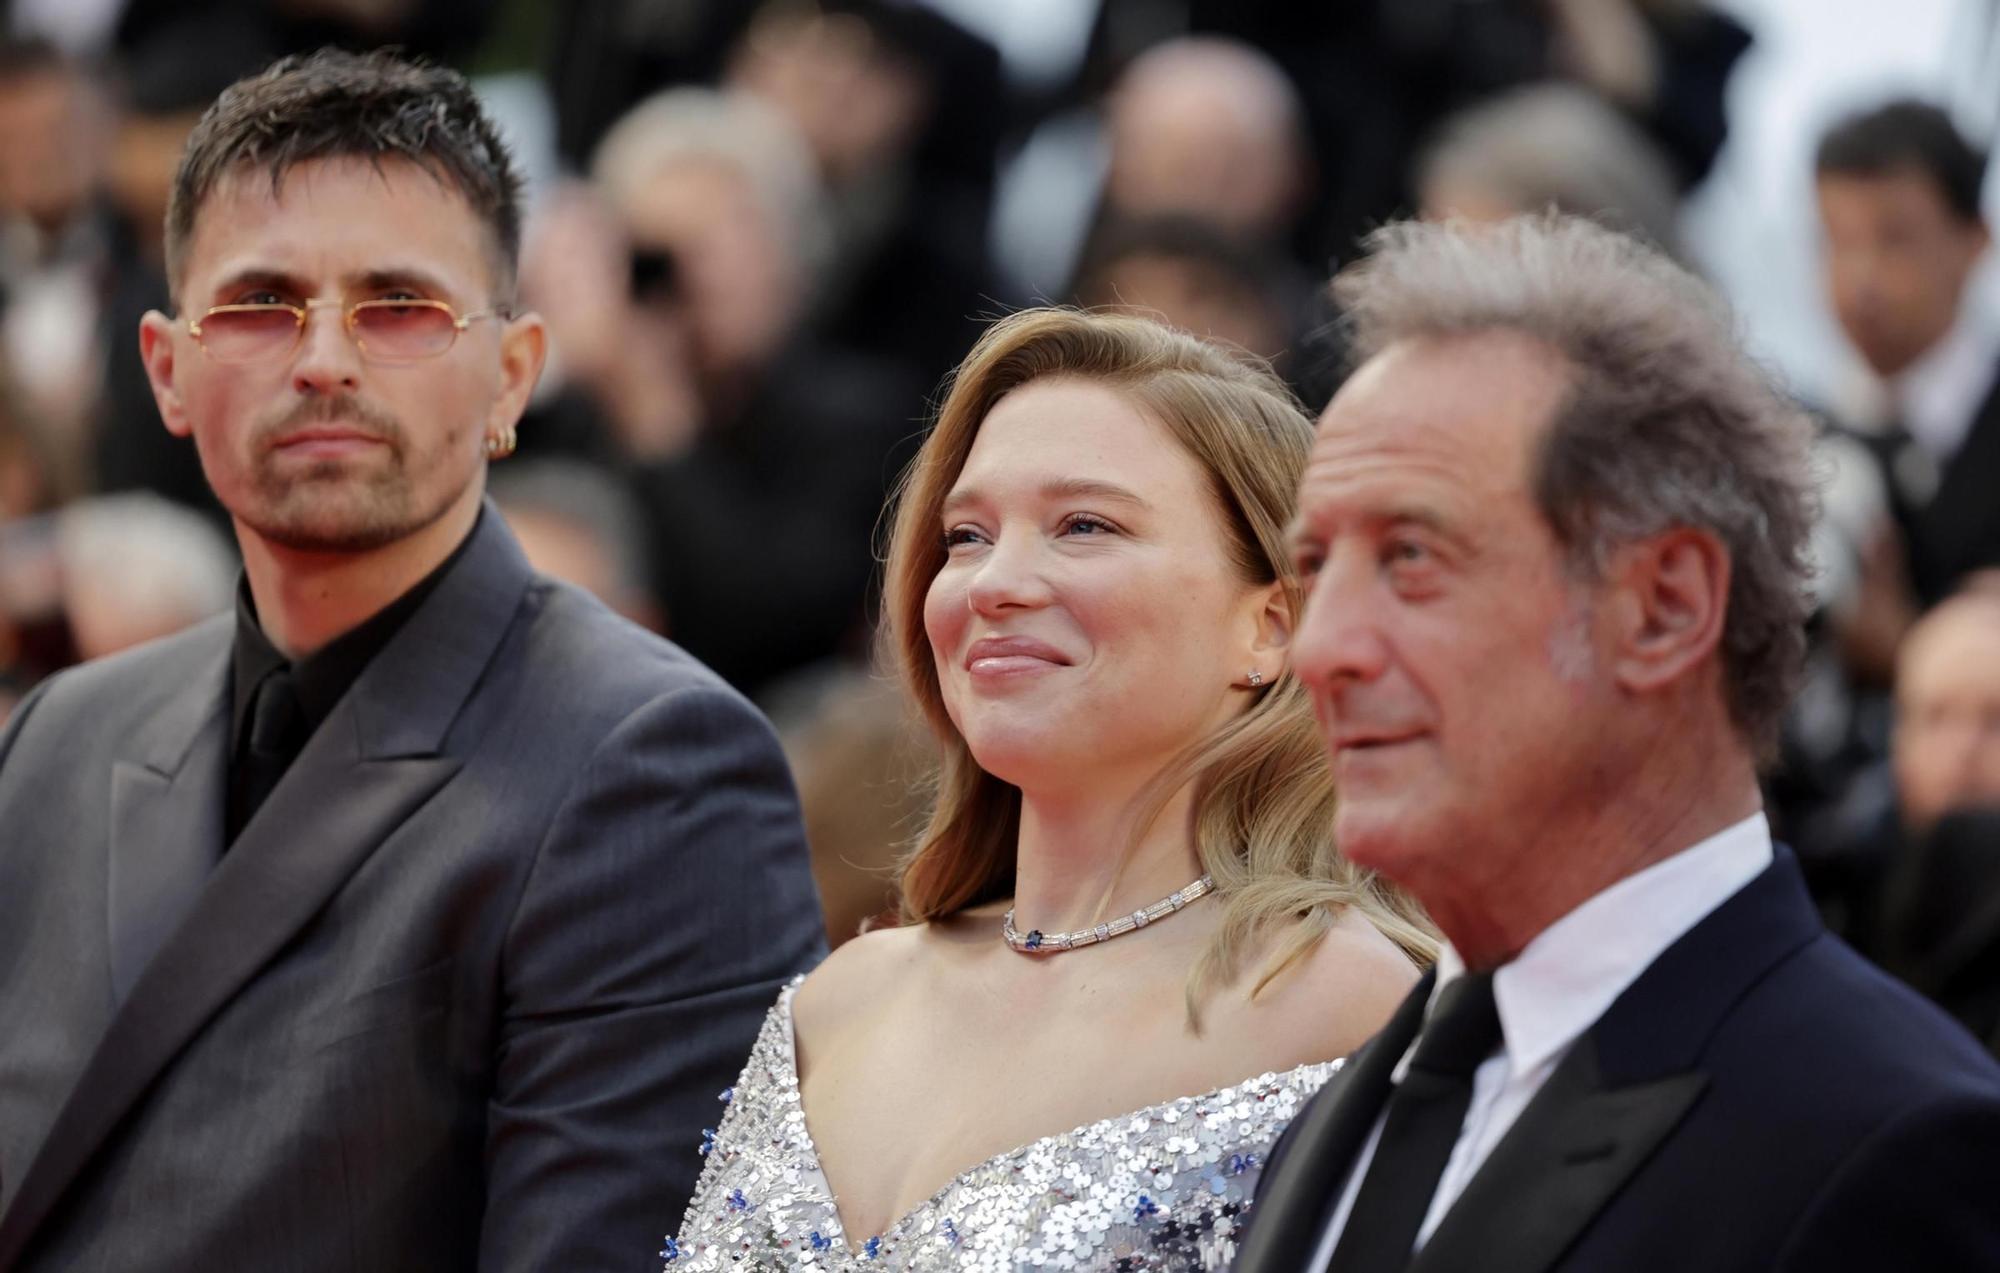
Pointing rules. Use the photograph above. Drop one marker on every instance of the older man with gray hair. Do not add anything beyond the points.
(1553, 539)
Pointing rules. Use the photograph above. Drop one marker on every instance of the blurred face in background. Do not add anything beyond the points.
(1897, 259)
(1207, 129)
(1088, 623)
(733, 272)
(1947, 741)
(145, 152)
(856, 103)
(53, 136)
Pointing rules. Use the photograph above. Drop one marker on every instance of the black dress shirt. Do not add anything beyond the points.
(318, 679)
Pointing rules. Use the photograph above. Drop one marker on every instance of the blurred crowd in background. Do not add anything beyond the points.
(762, 231)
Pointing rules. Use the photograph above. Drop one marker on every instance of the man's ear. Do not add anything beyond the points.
(1671, 607)
(156, 349)
(524, 347)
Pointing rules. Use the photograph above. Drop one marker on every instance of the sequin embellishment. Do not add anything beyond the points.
(1163, 1188)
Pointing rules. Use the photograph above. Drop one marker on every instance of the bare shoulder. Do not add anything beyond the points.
(853, 982)
(1338, 995)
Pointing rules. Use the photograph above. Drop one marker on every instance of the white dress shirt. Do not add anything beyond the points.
(1558, 986)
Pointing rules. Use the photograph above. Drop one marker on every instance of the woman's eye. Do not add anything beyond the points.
(262, 296)
(956, 536)
(1085, 524)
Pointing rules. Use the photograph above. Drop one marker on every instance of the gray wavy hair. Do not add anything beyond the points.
(1667, 421)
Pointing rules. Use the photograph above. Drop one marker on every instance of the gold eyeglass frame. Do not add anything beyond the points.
(348, 309)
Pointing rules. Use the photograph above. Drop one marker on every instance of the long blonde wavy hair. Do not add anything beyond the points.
(1261, 790)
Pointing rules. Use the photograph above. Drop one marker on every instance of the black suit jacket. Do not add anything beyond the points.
(1760, 1099)
(1940, 929)
(1950, 525)
(461, 995)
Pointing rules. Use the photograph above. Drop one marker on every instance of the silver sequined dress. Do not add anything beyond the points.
(1165, 1187)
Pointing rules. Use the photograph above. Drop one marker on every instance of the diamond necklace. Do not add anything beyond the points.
(1037, 942)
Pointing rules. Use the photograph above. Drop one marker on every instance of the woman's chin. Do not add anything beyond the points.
(1027, 758)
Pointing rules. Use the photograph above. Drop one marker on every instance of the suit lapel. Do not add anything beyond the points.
(1293, 1204)
(166, 818)
(1623, 1088)
(320, 822)
(1572, 1149)
(372, 763)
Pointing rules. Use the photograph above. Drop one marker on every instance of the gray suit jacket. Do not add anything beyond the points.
(462, 995)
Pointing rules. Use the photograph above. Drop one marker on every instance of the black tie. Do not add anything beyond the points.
(1425, 1115)
(277, 732)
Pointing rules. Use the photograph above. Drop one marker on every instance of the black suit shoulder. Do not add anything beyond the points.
(1914, 1102)
(1827, 1082)
(1875, 1044)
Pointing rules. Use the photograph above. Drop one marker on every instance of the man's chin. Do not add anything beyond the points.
(1374, 837)
(335, 509)
(332, 526)
(330, 539)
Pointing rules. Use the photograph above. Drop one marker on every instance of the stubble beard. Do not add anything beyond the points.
(348, 505)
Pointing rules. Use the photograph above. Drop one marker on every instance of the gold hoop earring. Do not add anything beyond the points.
(501, 445)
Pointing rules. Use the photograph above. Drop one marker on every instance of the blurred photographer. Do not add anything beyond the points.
(676, 291)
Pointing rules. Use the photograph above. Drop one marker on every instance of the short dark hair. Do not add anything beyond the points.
(1907, 133)
(334, 104)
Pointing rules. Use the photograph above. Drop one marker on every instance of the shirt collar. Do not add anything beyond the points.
(322, 677)
(1938, 396)
(1575, 969)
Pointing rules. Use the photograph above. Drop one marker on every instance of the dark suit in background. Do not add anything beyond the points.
(1760, 1099)
(1946, 511)
(463, 993)
(1940, 927)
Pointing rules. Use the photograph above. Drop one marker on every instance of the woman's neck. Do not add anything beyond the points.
(1076, 863)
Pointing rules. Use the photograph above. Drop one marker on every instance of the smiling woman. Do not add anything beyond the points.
(1127, 890)
(1186, 459)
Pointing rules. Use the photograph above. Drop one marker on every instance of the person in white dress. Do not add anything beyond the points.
(1131, 948)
